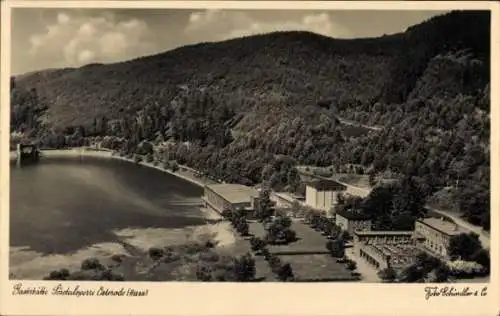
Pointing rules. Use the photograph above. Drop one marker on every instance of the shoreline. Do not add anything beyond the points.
(208, 213)
(100, 153)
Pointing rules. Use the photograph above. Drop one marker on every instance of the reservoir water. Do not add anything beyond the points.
(62, 206)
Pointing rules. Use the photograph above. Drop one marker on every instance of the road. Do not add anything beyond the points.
(483, 236)
(347, 122)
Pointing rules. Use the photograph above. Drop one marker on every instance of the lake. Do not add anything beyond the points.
(62, 206)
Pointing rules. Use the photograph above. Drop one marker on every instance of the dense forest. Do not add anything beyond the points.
(250, 109)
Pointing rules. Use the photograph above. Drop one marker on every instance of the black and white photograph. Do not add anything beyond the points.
(181, 144)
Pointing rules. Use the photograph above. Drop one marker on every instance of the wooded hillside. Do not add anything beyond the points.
(248, 110)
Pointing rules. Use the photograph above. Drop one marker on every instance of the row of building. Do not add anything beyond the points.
(320, 195)
(396, 249)
(380, 248)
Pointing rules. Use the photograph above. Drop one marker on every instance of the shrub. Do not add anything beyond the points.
(245, 268)
(351, 265)
(289, 235)
(210, 244)
(285, 273)
(242, 228)
(155, 253)
(204, 272)
(91, 264)
(174, 167)
(387, 275)
(274, 263)
(61, 274)
(108, 275)
(257, 244)
(439, 275)
(336, 248)
(117, 258)
(266, 254)
(227, 214)
(137, 158)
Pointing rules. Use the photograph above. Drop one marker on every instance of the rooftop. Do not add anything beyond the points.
(383, 233)
(285, 196)
(353, 215)
(442, 225)
(400, 254)
(327, 185)
(233, 193)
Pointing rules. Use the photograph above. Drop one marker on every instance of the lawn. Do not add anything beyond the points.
(308, 256)
(242, 246)
(317, 268)
(309, 240)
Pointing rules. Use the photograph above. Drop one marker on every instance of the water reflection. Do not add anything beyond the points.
(65, 204)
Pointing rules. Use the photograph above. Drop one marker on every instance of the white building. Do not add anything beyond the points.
(229, 196)
(322, 194)
(435, 234)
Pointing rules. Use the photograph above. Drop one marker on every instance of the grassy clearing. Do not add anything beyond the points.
(308, 255)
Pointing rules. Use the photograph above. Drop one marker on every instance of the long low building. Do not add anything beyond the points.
(382, 237)
(229, 196)
(384, 256)
(384, 249)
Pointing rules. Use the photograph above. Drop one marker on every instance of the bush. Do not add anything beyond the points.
(210, 244)
(204, 272)
(245, 268)
(439, 275)
(108, 275)
(266, 254)
(62, 274)
(285, 273)
(351, 265)
(137, 158)
(155, 253)
(336, 248)
(227, 214)
(257, 244)
(387, 275)
(174, 167)
(289, 235)
(117, 258)
(91, 264)
(274, 263)
(242, 228)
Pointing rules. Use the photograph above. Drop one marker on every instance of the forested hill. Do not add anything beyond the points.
(249, 109)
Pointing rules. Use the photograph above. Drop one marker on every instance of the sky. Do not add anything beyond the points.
(57, 38)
